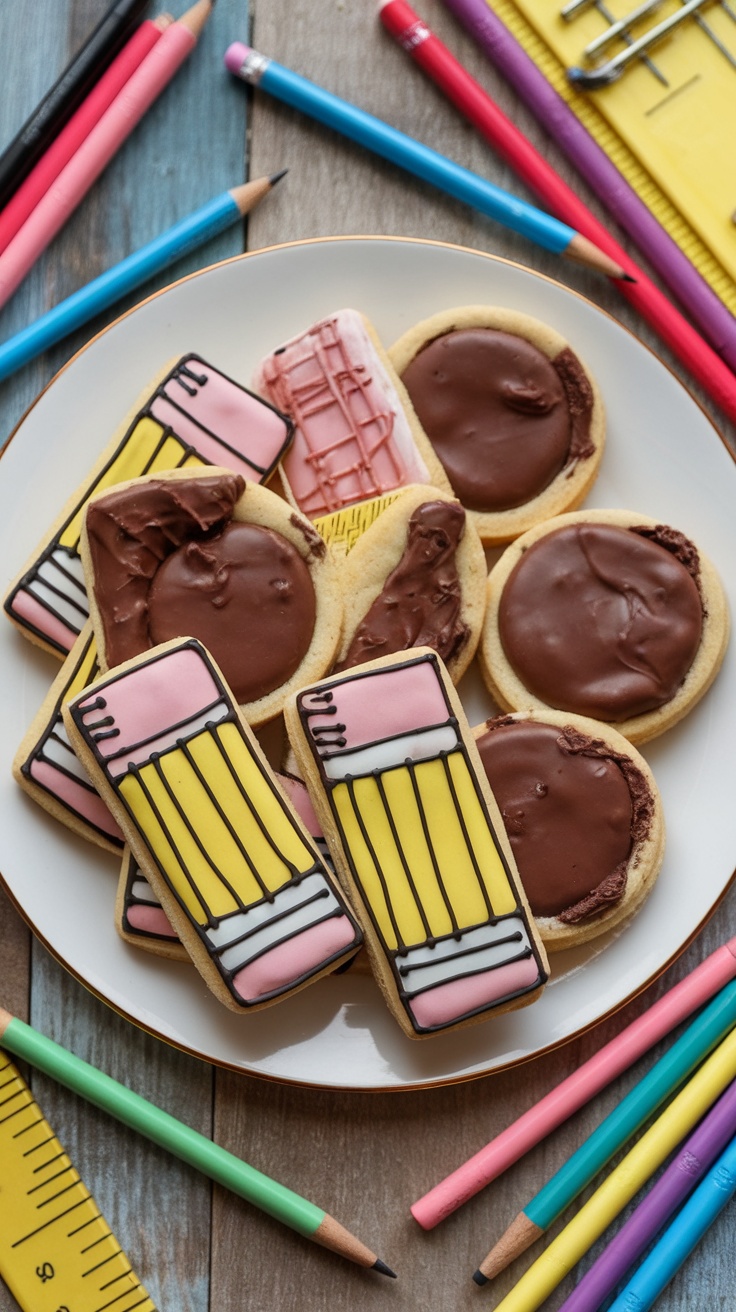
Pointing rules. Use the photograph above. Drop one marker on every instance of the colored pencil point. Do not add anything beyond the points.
(616, 1056)
(701, 1036)
(181, 1141)
(378, 1265)
(631, 1174)
(416, 158)
(145, 84)
(187, 235)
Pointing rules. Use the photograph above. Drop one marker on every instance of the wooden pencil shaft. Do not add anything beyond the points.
(413, 156)
(579, 1087)
(178, 241)
(60, 102)
(158, 1126)
(628, 1177)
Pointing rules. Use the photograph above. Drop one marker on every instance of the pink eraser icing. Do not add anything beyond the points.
(235, 56)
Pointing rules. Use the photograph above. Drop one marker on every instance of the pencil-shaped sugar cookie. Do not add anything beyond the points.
(139, 917)
(192, 416)
(418, 841)
(46, 765)
(233, 867)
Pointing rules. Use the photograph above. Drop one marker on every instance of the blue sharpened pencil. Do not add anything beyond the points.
(681, 1237)
(416, 158)
(135, 269)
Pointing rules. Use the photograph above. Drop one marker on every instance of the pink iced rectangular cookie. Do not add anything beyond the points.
(352, 438)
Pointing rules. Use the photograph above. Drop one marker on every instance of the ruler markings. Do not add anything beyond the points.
(66, 1262)
(50, 1162)
(51, 1221)
(43, 1184)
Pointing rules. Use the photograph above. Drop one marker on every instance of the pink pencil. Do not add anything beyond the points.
(96, 151)
(573, 1093)
(48, 168)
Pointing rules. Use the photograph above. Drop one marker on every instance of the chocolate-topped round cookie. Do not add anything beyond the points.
(247, 595)
(510, 410)
(605, 614)
(583, 816)
(202, 554)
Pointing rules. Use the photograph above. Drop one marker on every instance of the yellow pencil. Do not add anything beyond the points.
(636, 1168)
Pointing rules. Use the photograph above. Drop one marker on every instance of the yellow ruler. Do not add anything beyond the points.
(57, 1253)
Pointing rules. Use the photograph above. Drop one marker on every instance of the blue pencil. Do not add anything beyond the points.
(417, 158)
(111, 286)
(681, 1237)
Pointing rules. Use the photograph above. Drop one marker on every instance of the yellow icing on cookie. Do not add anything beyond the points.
(342, 528)
(141, 452)
(389, 818)
(196, 807)
(500, 892)
(87, 670)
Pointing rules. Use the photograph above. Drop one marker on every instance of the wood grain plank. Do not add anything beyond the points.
(176, 159)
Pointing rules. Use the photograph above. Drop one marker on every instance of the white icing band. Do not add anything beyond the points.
(469, 952)
(59, 586)
(142, 891)
(423, 746)
(293, 909)
(137, 754)
(58, 751)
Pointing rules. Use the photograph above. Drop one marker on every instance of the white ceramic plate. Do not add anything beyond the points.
(664, 458)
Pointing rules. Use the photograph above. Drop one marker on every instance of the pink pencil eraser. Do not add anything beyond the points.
(235, 56)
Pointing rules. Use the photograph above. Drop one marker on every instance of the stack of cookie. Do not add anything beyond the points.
(192, 605)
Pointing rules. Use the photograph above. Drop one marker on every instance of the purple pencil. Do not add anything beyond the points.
(692, 1161)
(708, 312)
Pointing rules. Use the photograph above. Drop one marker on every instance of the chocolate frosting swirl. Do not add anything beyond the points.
(421, 600)
(602, 620)
(169, 561)
(573, 809)
(503, 418)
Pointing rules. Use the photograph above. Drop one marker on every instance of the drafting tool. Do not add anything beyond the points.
(57, 1252)
(663, 121)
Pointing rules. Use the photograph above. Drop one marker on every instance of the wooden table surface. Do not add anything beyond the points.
(362, 1156)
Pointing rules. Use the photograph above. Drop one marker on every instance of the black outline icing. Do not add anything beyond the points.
(167, 433)
(317, 867)
(36, 753)
(323, 693)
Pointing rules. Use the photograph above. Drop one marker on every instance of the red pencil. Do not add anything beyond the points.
(474, 102)
(48, 168)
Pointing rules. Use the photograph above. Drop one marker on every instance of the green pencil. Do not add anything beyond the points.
(192, 1147)
(700, 1037)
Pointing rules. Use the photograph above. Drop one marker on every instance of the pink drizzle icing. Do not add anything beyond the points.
(352, 438)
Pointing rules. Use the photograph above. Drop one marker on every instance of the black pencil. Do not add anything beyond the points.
(67, 93)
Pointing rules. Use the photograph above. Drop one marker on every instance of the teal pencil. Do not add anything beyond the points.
(190, 233)
(161, 1128)
(663, 1079)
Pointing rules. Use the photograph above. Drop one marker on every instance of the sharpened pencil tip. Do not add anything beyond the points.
(479, 1278)
(627, 277)
(276, 177)
(378, 1265)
